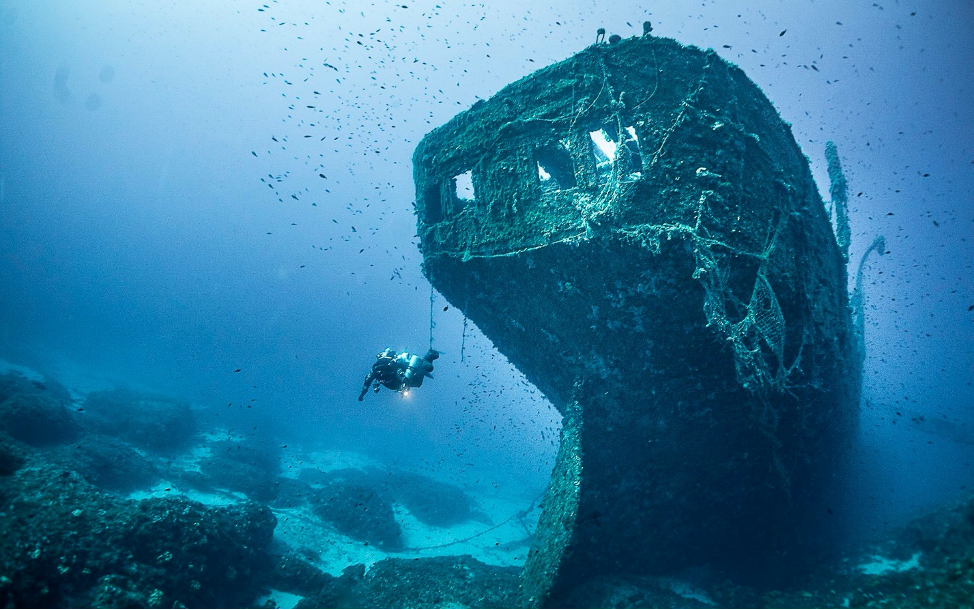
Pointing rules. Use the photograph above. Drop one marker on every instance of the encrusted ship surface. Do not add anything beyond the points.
(643, 239)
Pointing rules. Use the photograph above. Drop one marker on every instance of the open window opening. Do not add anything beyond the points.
(555, 167)
(611, 147)
(603, 147)
(463, 188)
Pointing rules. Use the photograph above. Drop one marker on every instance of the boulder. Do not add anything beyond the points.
(108, 463)
(360, 512)
(250, 466)
(147, 421)
(453, 581)
(12, 456)
(37, 418)
(65, 544)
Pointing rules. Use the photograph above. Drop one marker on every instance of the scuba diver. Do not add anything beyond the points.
(398, 372)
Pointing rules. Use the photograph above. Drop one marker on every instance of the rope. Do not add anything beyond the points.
(519, 514)
(466, 299)
(432, 324)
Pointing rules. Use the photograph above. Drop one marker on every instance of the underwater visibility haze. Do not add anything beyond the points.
(700, 282)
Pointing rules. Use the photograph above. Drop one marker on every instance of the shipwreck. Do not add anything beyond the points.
(637, 231)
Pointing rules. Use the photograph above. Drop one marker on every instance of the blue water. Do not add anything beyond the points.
(191, 188)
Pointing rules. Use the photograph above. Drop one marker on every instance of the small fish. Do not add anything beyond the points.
(253, 153)
(236, 370)
(446, 307)
(782, 32)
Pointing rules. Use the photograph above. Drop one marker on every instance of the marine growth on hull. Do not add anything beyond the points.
(636, 229)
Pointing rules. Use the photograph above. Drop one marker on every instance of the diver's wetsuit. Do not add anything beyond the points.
(387, 371)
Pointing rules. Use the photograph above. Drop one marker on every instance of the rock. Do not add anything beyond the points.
(925, 563)
(289, 493)
(346, 591)
(215, 556)
(37, 419)
(16, 383)
(155, 423)
(250, 466)
(69, 545)
(34, 411)
(12, 457)
(430, 501)
(622, 591)
(440, 582)
(433, 502)
(118, 591)
(315, 476)
(108, 463)
(679, 297)
(360, 512)
(295, 575)
(429, 582)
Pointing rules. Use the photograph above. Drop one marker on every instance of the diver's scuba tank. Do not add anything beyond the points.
(416, 369)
